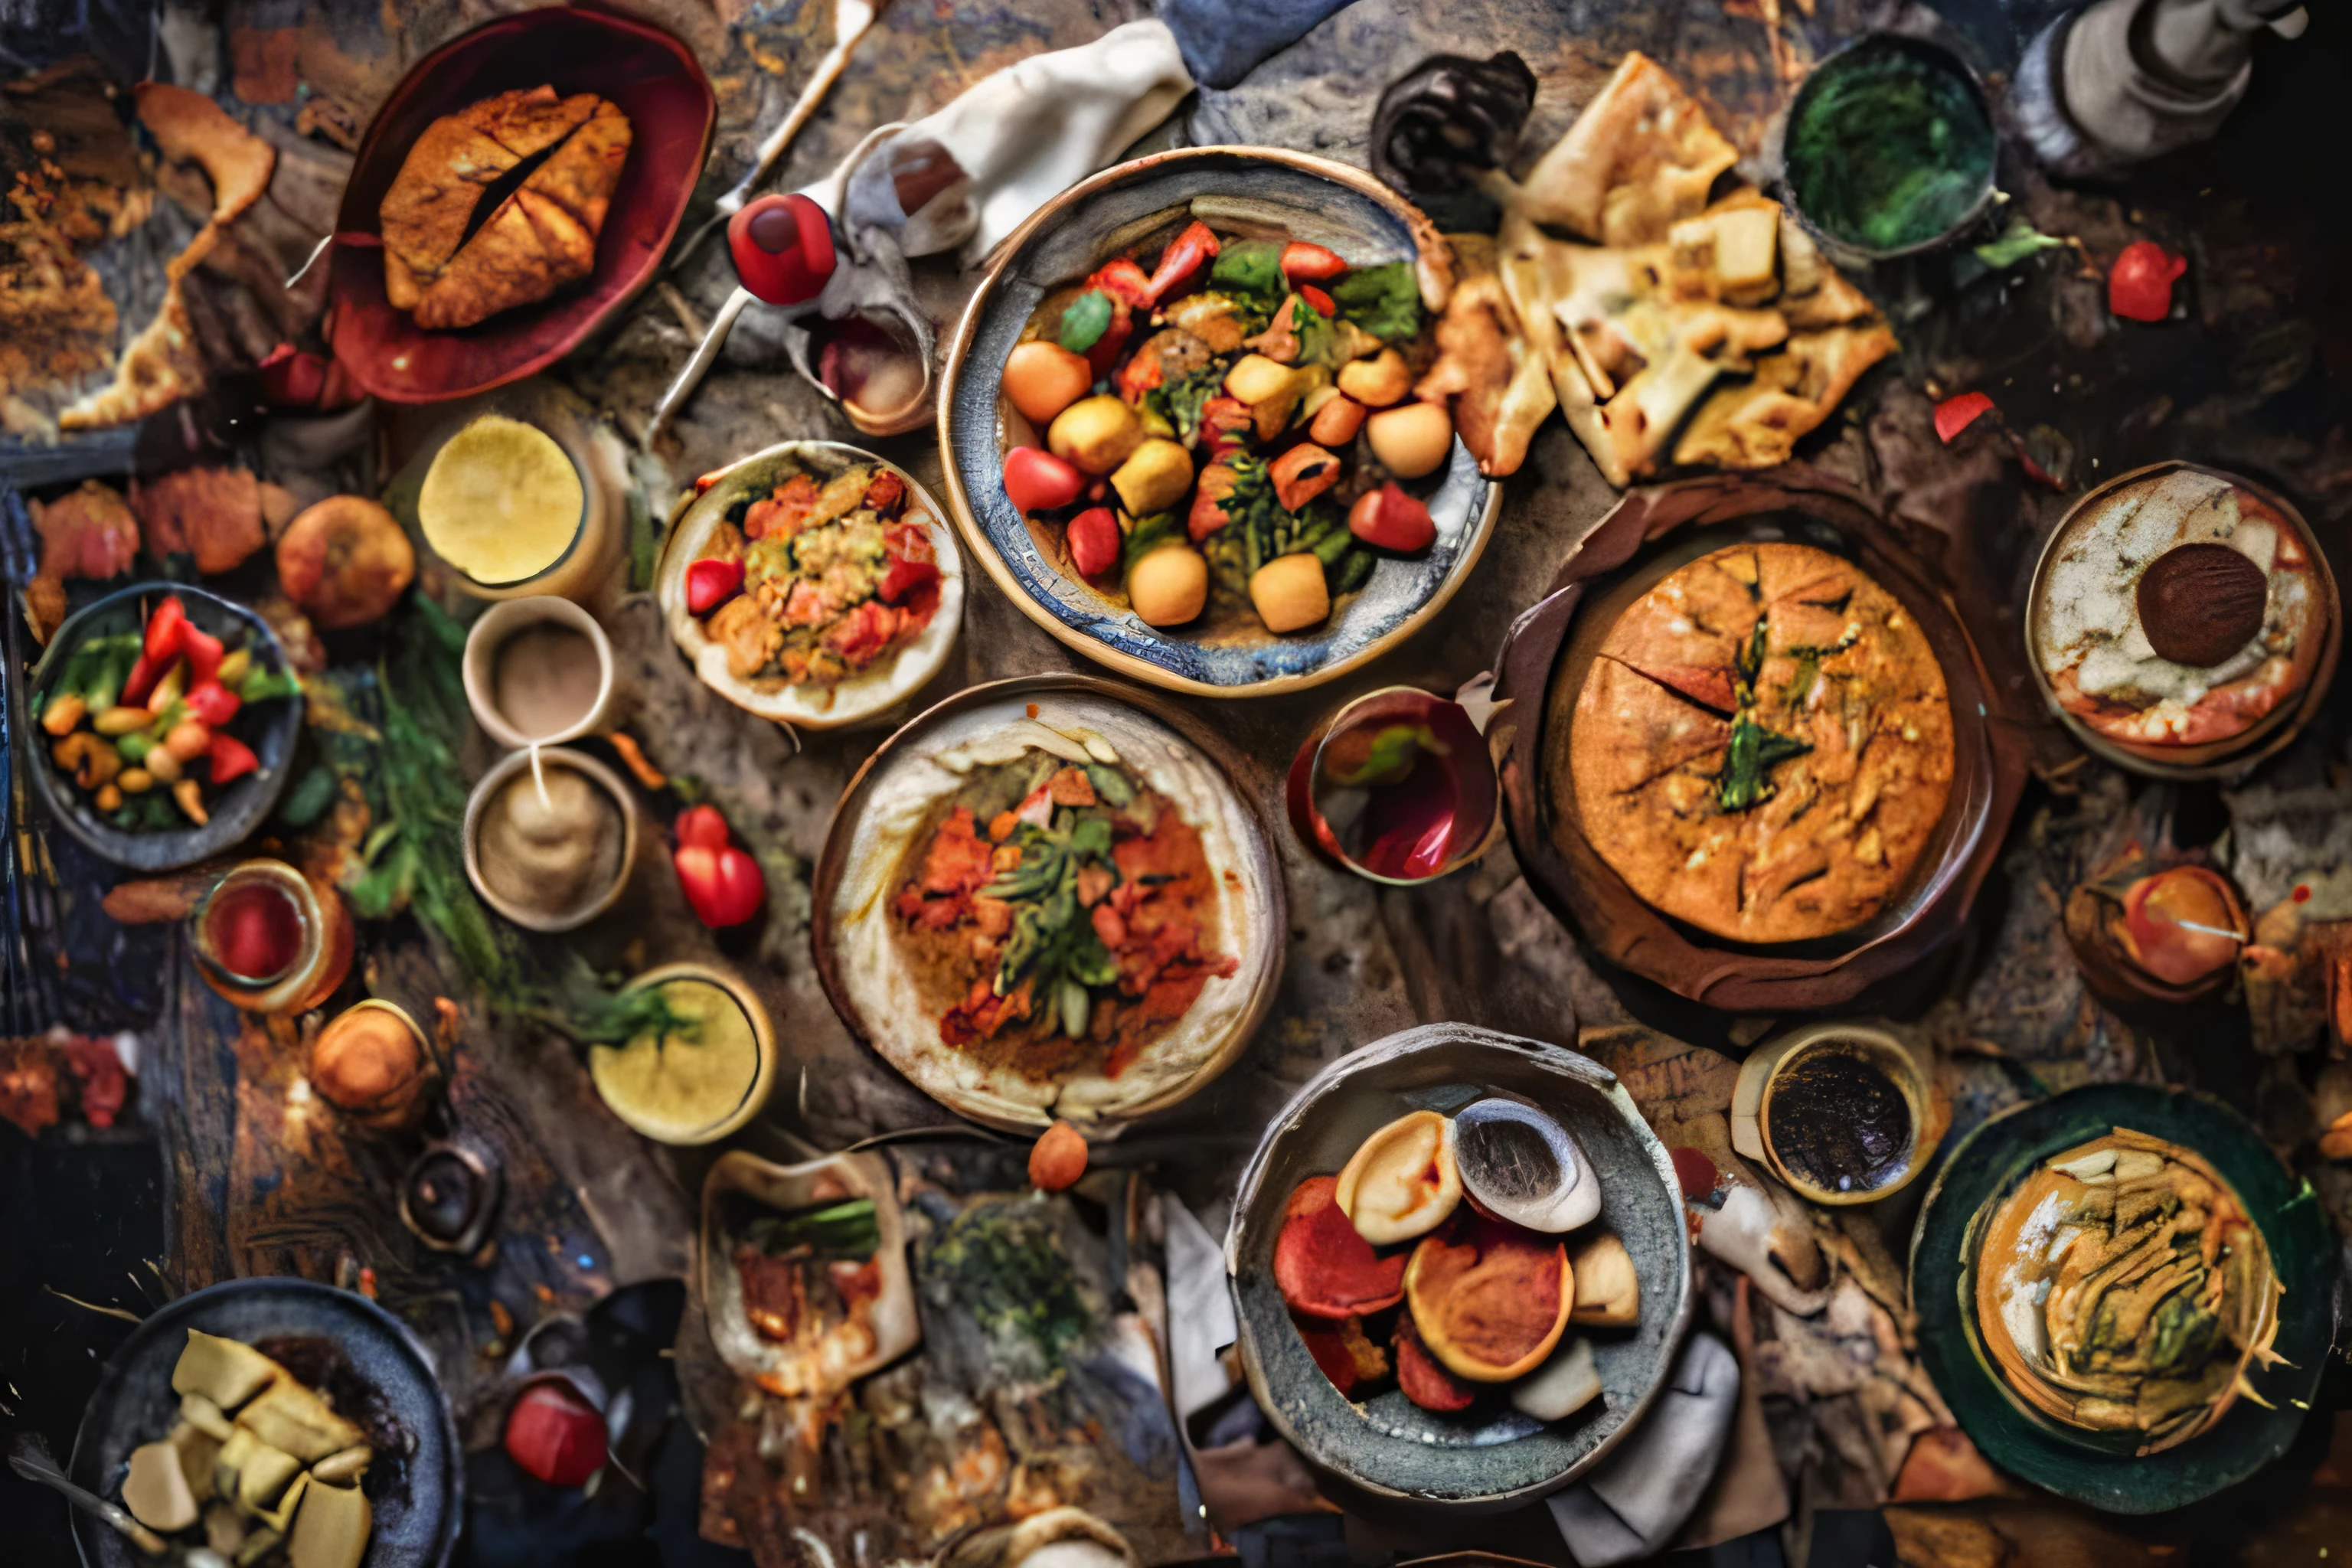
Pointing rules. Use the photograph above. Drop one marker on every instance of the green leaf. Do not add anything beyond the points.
(307, 801)
(849, 1230)
(1092, 834)
(1110, 785)
(2015, 242)
(261, 685)
(1745, 780)
(1085, 321)
(1316, 339)
(1389, 759)
(1251, 266)
(1384, 300)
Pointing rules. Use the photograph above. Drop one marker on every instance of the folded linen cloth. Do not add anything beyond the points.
(1632, 1502)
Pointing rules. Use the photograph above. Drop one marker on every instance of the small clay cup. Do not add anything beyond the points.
(597, 773)
(491, 633)
(320, 965)
(1768, 1068)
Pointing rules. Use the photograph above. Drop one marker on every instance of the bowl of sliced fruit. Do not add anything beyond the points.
(167, 719)
(1188, 426)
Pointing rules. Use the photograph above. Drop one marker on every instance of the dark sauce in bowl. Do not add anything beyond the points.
(319, 1364)
(1838, 1122)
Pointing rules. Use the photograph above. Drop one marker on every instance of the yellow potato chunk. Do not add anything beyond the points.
(331, 1530)
(1290, 593)
(224, 1371)
(205, 1416)
(1379, 381)
(1256, 378)
(1095, 433)
(1608, 1292)
(289, 1417)
(1154, 477)
(1411, 441)
(1168, 586)
(156, 1489)
(264, 1476)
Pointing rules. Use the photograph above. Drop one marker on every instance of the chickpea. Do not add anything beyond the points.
(135, 781)
(1411, 441)
(165, 768)
(1379, 381)
(1168, 586)
(1043, 378)
(121, 721)
(188, 740)
(109, 797)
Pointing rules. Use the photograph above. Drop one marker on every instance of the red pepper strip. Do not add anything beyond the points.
(1039, 481)
(1187, 253)
(1319, 300)
(1955, 415)
(1312, 262)
(1105, 353)
(2139, 284)
(166, 629)
(144, 675)
(203, 651)
(710, 583)
(1122, 279)
(904, 577)
(1223, 421)
(231, 758)
(214, 703)
(1094, 538)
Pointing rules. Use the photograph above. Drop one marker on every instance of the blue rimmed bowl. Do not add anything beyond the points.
(1306, 197)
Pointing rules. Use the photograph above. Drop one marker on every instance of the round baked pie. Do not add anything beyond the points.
(1763, 745)
(2178, 610)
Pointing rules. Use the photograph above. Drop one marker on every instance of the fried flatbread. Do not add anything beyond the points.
(1641, 155)
(583, 174)
(192, 128)
(1757, 423)
(1803, 809)
(1499, 380)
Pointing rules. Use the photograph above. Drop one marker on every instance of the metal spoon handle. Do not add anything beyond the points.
(698, 366)
(35, 1466)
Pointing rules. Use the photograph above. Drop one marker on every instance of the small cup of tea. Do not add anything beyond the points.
(538, 672)
(1843, 1113)
(1398, 787)
(270, 941)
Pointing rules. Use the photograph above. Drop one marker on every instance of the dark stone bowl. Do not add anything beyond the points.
(1389, 1447)
(418, 1497)
(1309, 198)
(270, 728)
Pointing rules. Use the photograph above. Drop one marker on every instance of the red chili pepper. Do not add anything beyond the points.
(231, 758)
(203, 652)
(1319, 300)
(710, 583)
(1105, 353)
(1391, 519)
(1187, 253)
(701, 826)
(1122, 279)
(904, 576)
(2139, 284)
(1039, 481)
(1094, 538)
(144, 673)
(1956, 413)
(214, 703)
(723, 883)
(1312, 262)
(167, 629)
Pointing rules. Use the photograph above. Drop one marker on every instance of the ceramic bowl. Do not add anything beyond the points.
(1912, 1071)
(873, 692)
(2104, 1472)
(763, 1042)
(1143, 728)
(2228, 759)
(1389, 1447)
(270, 728)
(741, 1185)
(1541, 671)
(597, 773)
(490, 634)
(655, 81)
(419, 1502)
(1309, 198)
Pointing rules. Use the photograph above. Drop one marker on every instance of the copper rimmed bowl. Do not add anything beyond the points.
(1306, 197)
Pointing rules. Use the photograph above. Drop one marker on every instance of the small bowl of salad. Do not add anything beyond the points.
(1189, 426)
(166, 717)
(814, 584)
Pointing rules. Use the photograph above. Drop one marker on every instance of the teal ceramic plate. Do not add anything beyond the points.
(1992, 1160)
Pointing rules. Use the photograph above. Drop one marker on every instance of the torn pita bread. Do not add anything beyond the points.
(1756, 424)
(1639, 157)
(1499, 383)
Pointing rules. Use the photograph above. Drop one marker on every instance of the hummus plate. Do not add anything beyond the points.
(1047, 898)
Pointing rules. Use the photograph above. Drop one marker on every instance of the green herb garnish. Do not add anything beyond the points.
(1391, 756)
(847, 1231)
(1052, 945)
(1746, 778)
(1085, 322)
(1384, 300)
(1180, 402)
(1251, 266)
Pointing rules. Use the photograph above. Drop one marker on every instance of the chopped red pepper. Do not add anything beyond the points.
(1312, 262)
(1124, 281)
(702, 824)
(144, 673)
(1955, 415)
(214, 703)
(231, 758)
(886, 493)
(1039, 481)
(1223, 421)
(1187, 253)
(1137, 377)
(2139, 284)
(1301, 474)
(1317, 299)
(904, 576)
(710, 583)
(1094, 539)
(724, 884)
(166, 629)
(203, 651)
(1393, 519)
(1105, 353)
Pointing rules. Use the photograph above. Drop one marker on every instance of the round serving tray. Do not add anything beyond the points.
(234, 812)
(868, 695)
(2236, 756)
(1307, 197)
(2106, 1473)
(417, 1498)
(1389, 1447)
(1541, 670)
(1068, 697)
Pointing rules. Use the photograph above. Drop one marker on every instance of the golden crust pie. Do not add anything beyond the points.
(1763, 745)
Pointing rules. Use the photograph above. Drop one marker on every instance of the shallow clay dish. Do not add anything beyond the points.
(1309, 198)
(870, 694)
(1144, 729)
(417, 1498)
(653, 80)
(2101, 1470)
(1389, 1447)
(2267, 736)
(271, 731)
(1541, 671)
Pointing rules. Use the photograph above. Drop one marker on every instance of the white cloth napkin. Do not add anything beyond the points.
(1632, 1502)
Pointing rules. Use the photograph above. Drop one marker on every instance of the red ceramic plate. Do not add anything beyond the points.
(657, 83)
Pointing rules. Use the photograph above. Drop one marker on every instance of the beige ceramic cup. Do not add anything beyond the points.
(491, 633)
(597, 773)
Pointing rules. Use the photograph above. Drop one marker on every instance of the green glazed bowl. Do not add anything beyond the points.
(2097, 1468)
